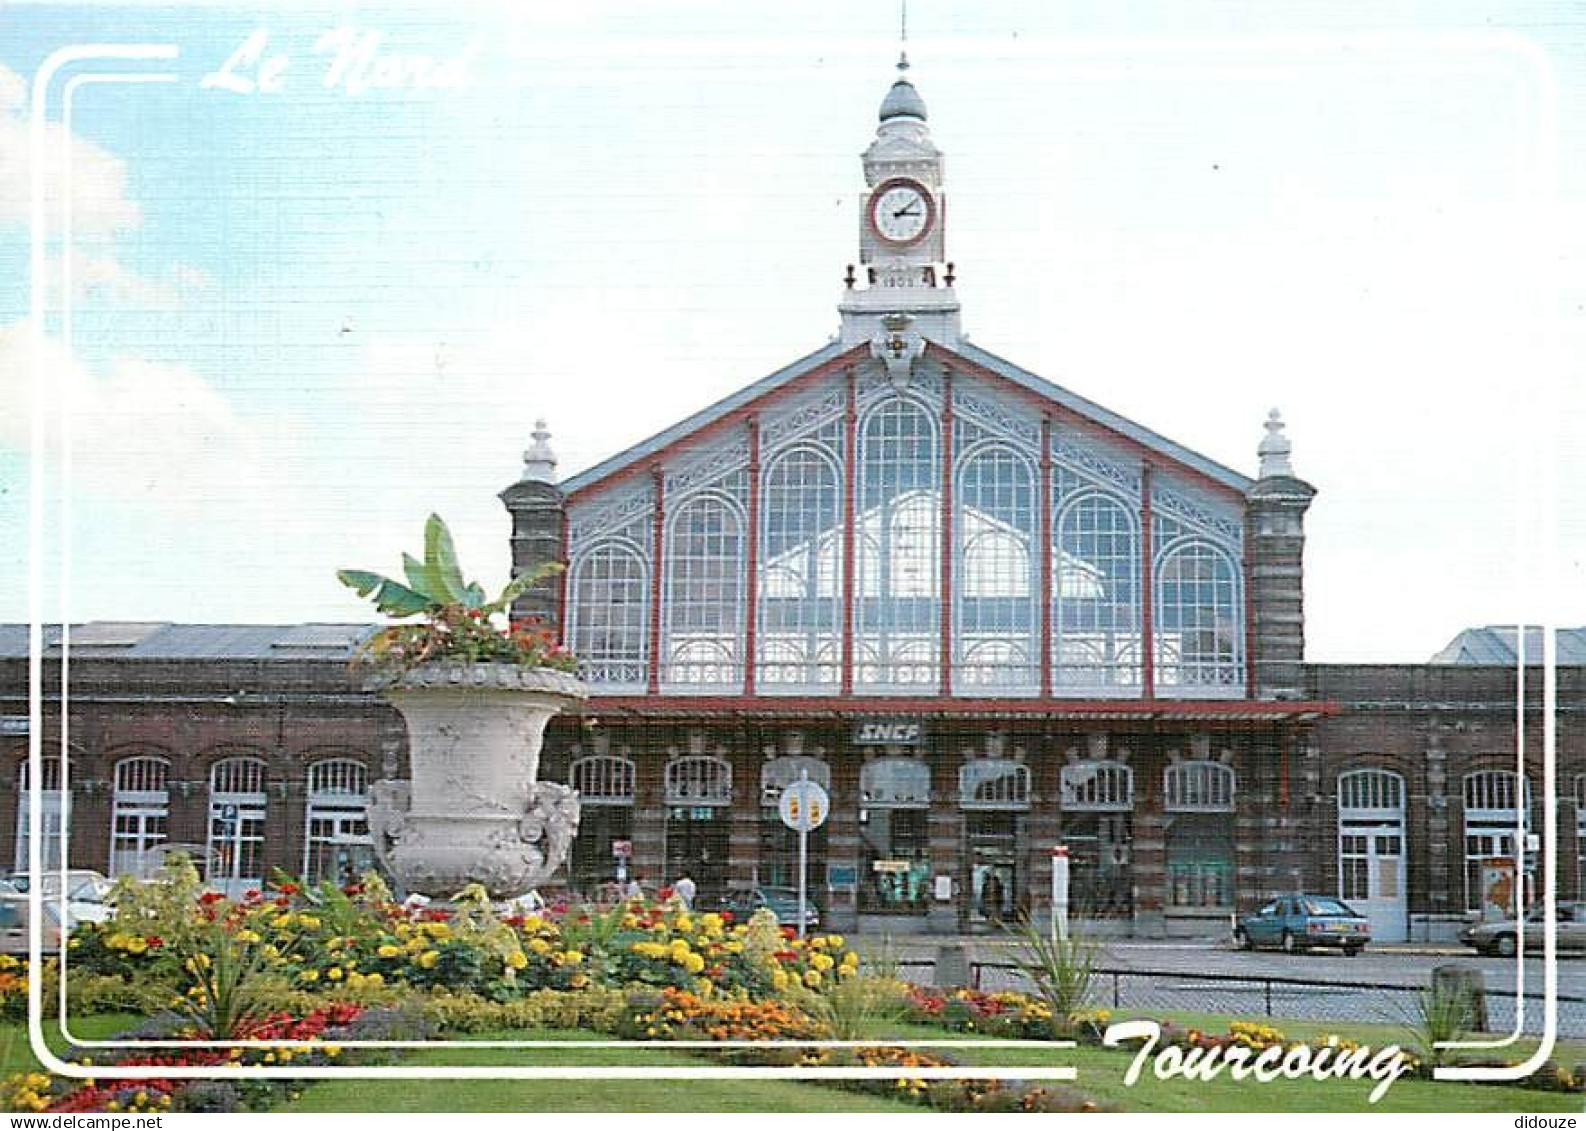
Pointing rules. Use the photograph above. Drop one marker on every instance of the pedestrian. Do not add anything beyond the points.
(684, 889)
(634, 888)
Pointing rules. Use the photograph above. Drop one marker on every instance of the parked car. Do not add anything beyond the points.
(1501, 937)
(1299, 922)
(783, 902)
(87, 893)
(14, 908)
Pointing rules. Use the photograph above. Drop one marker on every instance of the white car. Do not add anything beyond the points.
(87, 893)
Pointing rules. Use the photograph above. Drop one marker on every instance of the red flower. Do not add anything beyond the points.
(210, 897)
(664, 893)
(726, 916)
(153, 940)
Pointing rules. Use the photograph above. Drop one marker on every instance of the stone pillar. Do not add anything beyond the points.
(841, 909)
(945, 828)
(1043, 826)
(743, 831)
(1275, 551)
(649, 808)
(539, 520)
(1147, 836)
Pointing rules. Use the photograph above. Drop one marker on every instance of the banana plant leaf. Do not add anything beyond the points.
(390, 597)
(440, 566)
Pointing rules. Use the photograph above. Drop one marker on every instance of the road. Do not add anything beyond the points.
(1217, 978)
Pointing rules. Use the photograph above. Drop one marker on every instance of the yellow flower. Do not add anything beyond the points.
(375, 979)
(428, 959)
(389, 951)
(822, 962)
(517, 960)
(332, 1050)
(309, 922)
(309, 975)
(693, 963)
(572, 957)
(355, 979)
(334, 973)
(834, 941)
(779, 979)
(438, 930)
(812, 978)
(136, 945)
(282, 922)
(247, 936)
(539, 946)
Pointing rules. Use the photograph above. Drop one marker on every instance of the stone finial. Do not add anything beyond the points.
(539, 462)
(1274, 449)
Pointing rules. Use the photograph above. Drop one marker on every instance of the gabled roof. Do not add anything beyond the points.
(963, 356)
(1496, 644)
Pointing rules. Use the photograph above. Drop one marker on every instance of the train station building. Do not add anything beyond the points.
(988, 615)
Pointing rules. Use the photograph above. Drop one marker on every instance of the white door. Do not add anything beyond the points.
(1371, 877)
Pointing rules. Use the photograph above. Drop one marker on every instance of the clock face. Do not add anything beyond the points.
(901, 212)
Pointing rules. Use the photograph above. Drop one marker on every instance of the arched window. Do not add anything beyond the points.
(779, 773)
(1097, 805)
(238, 807)
(605, 785)
(895, 783)
(140, 811)
(1096, 786)
(994, 783)
(1198, 619)
(699, 780)
(1371, 791)
(1096, 598)
(603, 779)
(995, 665)
(54, 808)
(610, 614)
(704, 607)
(995, 506)
(1198, 787)
(900, 543)
(801, 585)
(1200, 838)
(336, 843)
(1497, 821)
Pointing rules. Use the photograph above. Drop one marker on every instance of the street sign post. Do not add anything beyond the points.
(803, 807)
(1060, 892)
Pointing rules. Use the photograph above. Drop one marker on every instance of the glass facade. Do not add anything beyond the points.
(893, 606)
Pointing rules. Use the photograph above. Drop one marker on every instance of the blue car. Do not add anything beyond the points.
(1295, 923)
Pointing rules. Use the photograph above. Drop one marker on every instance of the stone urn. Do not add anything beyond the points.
(474, 809)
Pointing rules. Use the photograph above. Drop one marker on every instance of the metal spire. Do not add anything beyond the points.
(903, 36)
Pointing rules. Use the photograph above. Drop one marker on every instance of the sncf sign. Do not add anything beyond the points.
(888, 732)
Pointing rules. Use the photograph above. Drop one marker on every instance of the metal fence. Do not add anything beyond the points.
(1272, 996)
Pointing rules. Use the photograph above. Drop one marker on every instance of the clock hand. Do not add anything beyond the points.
(911, 210)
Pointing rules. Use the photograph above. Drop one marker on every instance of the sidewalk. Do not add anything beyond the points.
(914, 945)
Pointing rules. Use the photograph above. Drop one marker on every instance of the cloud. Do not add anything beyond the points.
(139, 428)
(100, 204)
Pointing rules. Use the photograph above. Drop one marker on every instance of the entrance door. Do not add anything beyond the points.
(1371, 871)
(993, 856)
(696, 846)
(1371, 850)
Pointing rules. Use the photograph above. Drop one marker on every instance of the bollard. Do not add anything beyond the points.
(952, 966)
(1468, 982)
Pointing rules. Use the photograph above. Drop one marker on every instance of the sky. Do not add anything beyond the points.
(303, 318)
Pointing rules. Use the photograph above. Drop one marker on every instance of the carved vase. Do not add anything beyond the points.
(474, 809)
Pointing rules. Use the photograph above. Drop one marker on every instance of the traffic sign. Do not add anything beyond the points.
(804, 806)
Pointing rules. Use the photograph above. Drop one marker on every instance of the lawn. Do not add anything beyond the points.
(581, 1095)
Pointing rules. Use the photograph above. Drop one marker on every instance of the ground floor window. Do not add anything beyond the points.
(896, 861)
(336, 841)
(997, 844)
(139, 814)
(54, 809)
(779, 853)
(593, 863)
(696, 847)
(1484, 844)
(1200, 861)
(1099, 877)
(237, 810)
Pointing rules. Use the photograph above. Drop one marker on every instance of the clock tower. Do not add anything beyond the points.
(903, 270)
